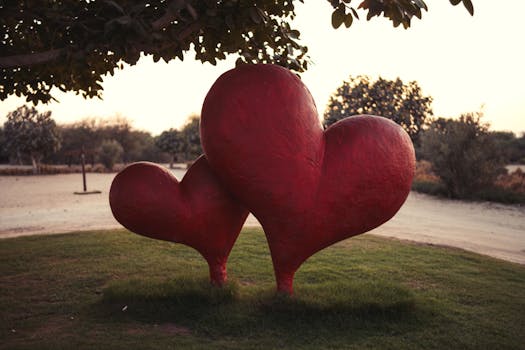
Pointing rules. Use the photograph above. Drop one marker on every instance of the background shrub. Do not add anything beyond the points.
(110, 153)
(464, 154)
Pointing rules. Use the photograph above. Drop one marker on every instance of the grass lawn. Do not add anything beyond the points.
(116, 290)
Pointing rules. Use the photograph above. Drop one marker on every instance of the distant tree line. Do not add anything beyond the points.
(30, 137)
(463, 152)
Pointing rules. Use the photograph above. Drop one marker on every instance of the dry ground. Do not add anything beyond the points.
(46, 204)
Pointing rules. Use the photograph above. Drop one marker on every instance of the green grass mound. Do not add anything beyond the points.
(116, 290)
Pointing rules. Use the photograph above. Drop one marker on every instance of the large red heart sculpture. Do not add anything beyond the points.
(147, 199)
(309, 188)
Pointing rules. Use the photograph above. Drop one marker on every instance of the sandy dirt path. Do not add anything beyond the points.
(46, 204)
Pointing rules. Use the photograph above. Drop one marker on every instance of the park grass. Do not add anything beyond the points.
(116, 290)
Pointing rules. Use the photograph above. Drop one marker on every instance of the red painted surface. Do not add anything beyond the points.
(147, 199)
(309, 188)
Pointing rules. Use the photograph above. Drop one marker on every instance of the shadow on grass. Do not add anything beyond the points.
(361, 300)
(349, 310)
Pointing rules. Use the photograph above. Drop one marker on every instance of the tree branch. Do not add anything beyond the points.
(51, 55)
(164, 21)
(30, 59)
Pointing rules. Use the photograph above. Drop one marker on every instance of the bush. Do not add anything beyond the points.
(463, 154)
(514, 181)
(110, 152)
(500, 195)
(424, 172)
(508, 188)
(428, 187)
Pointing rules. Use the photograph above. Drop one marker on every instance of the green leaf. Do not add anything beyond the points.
(469, 6)
(421, 4)
(348, 20)
(338, 17)
(294, 34)
(238, 62)
(180, 54)
(354, 13)
(455, 2)
(417, 12)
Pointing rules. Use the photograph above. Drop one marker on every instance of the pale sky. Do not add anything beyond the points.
(463, 62)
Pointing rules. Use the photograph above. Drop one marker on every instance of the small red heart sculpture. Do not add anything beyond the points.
(309, 188)
(147, 199)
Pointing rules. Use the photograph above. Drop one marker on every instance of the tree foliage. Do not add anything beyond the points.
(463, 153)
(110, 153)
(88, 134)
(97, 139)
(398, 11)
(171, 142)
(184, 144)
(518, 150)
(403, 103)
(513, 146)
(30, 133)
(4, 154)
(71, 45)
(192, 138)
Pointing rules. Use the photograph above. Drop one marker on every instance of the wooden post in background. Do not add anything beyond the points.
(83, 163)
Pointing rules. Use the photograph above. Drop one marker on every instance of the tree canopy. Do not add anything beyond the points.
(192, 138)
(30, 133)
(403, 103)
(71, 45)
(172, 142)
(183, 144)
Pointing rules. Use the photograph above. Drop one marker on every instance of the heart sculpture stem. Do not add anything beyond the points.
(218, 274)
(198, 212)
(308, 188)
